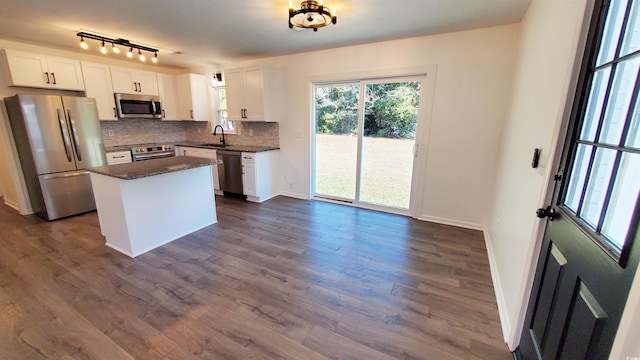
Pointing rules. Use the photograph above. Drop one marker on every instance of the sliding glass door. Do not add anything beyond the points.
(365, 141)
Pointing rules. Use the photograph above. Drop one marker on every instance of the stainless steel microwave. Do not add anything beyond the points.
(130, 106)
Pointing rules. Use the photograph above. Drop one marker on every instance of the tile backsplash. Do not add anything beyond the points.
(142, 131)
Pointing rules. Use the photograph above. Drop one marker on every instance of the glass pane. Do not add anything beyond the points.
(623, 200)
(577, 179)
(222, 99)
(633, 135)
(336, 110)
(390, 118)
(598, 184)
(619, 101)
(611, 32)
(594, 106)
(631, 41)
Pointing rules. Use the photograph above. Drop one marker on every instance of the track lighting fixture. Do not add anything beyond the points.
(121, 42)
(83, 44)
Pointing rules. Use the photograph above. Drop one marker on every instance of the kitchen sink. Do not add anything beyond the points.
(213, 146)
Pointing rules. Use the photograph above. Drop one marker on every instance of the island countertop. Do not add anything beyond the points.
(141, 169)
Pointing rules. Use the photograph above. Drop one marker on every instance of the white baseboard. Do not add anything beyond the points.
(11, 204)
(293, 195)
(497, 287)
(462, 224)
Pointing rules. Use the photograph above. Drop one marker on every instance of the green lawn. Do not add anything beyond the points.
(386, 169)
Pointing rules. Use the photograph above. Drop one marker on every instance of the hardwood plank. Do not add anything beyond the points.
(286, 279)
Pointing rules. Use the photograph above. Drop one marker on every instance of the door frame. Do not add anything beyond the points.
(425, 111)
(625, 338)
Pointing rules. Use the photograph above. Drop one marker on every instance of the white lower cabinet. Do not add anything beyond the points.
(201, 153)
(249, 174)
(118, 157)
(259, 175)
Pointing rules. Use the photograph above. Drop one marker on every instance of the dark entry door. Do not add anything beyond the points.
(591, 245)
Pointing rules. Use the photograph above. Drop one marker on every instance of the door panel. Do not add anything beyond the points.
(85, 131)
(67, 194)
(585, 326)
(591, 245)
(388, 143)
(48, 133)
(336, 152)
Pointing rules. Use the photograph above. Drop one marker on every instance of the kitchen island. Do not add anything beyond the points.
(146, 204)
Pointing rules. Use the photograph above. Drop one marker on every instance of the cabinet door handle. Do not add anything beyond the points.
(53, 75)
(140, 87)
(191, 113)
(163, 113)
(47, 74)
(115, 113)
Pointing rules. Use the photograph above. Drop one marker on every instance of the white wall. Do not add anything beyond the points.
(543, 83)
(472, 91)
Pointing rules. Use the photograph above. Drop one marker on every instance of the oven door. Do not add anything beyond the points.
(138, 106)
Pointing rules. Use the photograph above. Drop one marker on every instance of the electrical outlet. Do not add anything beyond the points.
(110, 132)
(250, 132)
(198, 130)
(290, 186)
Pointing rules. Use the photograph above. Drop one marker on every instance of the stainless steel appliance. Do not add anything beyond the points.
(230, 172)
(151, 151)
(132, 106)
(57, 137)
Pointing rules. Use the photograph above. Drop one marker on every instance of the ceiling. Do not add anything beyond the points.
(191, 33)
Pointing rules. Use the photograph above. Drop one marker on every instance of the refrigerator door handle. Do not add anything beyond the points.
(76, 140)
(65, 175)
(65, 135)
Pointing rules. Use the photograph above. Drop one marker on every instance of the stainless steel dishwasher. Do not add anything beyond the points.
(230, 172)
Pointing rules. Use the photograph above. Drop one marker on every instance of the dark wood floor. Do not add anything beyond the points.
(286, 279)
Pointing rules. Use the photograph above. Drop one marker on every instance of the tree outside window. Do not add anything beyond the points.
(220, 98)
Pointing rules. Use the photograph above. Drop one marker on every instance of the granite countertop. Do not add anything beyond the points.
(141, 169)
(239, 148)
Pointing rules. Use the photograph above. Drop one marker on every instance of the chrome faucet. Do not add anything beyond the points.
(222, 137)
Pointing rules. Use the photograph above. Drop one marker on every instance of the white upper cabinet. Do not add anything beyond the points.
(132, 81)
(193, 97)
(97, 81)
(168, 96)
(254, 94)
(41, 71)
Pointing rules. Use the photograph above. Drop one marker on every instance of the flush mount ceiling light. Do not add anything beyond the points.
(114, 46)
(311, 15)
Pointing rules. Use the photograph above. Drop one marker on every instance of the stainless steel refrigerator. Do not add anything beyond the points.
(57, 137)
